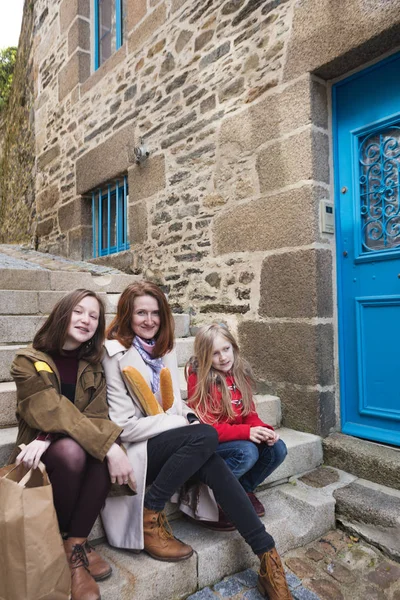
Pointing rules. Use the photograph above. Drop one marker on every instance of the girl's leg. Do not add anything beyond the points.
(173, 457)
(269, 459)
(240, 456)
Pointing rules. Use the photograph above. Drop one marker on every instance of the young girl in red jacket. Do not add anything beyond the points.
(220, 385)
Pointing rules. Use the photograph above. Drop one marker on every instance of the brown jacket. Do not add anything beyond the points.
(41, 407)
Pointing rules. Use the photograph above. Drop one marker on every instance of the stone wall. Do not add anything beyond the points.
(17, 149)
(232, 98)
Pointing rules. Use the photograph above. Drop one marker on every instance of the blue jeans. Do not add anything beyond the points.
(252, 463)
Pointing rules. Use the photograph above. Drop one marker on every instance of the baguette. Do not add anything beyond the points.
(138, 386)
(166, 389)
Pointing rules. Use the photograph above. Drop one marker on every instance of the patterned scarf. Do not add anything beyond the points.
(145, 349)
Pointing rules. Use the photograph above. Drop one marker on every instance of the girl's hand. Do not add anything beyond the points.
(270, 436)
(30, 456)
(119, 467)
(257, 434)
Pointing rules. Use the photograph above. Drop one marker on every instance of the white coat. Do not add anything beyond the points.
(123, 515)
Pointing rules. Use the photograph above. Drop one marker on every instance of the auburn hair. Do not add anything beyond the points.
(121, 326)
(52, 335)
(209, 380)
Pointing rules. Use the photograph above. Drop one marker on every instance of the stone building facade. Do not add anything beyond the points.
(232, 98)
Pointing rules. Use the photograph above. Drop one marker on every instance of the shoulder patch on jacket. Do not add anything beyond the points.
(42, 366)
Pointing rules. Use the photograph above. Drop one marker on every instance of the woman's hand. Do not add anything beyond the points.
(30, 456)
(119, 467)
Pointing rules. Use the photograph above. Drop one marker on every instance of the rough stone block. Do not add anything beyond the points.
(8, 403)
(79, 36)
(75, 213)
(7, 442)
(80, 244)
(184, 350)
(24, 279)
(45, 227)
(308, 410)
(368, 460)
(273, 351)
(16, 329)
(146, 179)
(47, 199)
(18, 302)
(283, 220)
(136, 11)
(104, 162)
(48, 156)
(334, 44)
(297, 284)
(269, 409)
(107, 67)
(69, 9)
(277, 114)
(372, 511)
(66, 280)
(300, 157)
(75, 71)
(137, 223)
(147, 28)
(182, 325)
(6, 357)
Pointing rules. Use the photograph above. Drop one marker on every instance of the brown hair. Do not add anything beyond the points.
(204, 400)
(52, 335)
(121, 327)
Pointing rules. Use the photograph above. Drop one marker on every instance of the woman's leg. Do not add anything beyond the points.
(240, 456)
(269, 459)
(234, 501)
(173, 457)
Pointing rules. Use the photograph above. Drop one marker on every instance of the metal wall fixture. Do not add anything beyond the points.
(142, 153)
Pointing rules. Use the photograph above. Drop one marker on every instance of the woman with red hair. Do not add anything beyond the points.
(171, 448)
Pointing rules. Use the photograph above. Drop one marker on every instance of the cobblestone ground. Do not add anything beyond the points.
(335, 567)
(18, 257)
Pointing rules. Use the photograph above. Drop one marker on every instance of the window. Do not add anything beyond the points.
(110, 220)
(109, 27)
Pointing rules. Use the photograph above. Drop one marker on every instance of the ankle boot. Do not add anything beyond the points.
(158, 539)
(98, 567)
(271, 578)
(83, 586)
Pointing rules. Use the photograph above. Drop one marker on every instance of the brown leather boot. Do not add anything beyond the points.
(83, 586)
(98, 567)
(271, 578)
(158, 539)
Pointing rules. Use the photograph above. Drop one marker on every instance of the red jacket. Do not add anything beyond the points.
(230, 429)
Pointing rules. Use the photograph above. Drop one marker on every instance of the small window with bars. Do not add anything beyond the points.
(110, 218)
(109, 28)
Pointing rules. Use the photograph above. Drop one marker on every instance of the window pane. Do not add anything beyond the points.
(106, 29)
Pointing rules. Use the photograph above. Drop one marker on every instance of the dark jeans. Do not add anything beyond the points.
(186, 453)
(252, 463)
(80, 486)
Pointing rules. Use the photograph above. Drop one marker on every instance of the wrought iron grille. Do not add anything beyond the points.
(379, 165)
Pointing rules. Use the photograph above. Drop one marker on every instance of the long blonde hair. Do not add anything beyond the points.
(209, 380)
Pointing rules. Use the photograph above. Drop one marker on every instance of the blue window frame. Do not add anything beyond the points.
(110, 218)
(109, 27)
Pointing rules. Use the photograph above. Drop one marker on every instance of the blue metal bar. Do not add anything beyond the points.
(100, 221)
(108, 218)
(96, 34)
(125, 223)
(117, 217)
(118, 20)
(94, 224)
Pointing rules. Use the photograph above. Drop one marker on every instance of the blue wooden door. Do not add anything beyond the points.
(366, 136)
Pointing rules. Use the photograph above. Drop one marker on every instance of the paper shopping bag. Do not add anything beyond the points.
(33, 565)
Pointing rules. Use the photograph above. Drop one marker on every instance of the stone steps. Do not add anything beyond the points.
(294, 516)
(25, 279)
(368, 460)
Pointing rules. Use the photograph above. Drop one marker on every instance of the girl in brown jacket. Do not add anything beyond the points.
(63, 420)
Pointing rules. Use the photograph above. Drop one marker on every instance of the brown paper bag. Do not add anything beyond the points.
(33, 565)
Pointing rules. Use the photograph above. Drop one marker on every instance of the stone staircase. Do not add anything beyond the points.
(295, 514)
